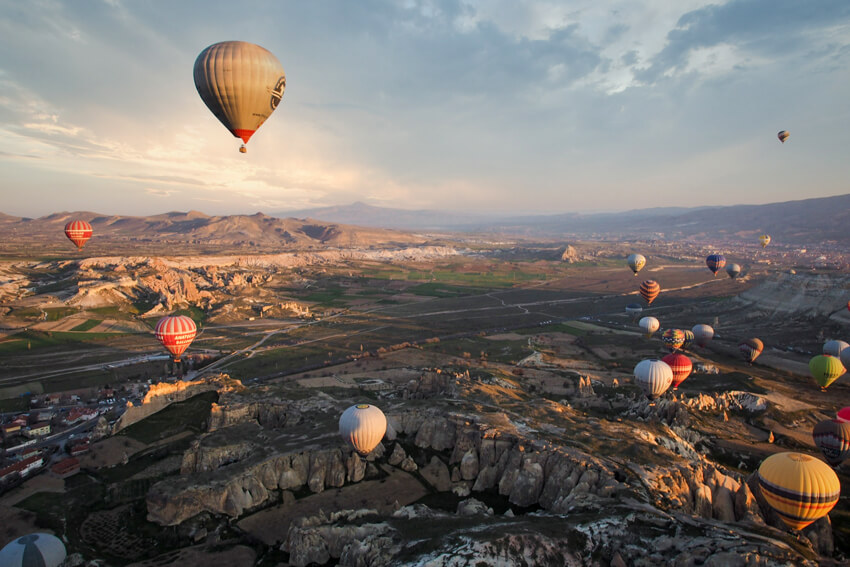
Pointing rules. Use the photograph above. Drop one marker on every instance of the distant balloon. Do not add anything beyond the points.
(633, 309)
(848, 306)
(176, 333)
(702, 334)
(241, 83)
(689, 338)
(636, 262)
(363, 426)
(673, 338)
(649, 325)
(654, 377)
(833, 439)
(764, 240)
(825, 369)
(733, 270)
(784, 135)
(715, 262)
(751, 349)
(78, 232)
(800, 488)
(649, 290)
(843, 415)
(834, 347)
(681, 366)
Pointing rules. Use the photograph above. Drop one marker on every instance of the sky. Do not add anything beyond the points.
(462, 105)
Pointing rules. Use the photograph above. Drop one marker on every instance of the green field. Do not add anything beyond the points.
(87, 325)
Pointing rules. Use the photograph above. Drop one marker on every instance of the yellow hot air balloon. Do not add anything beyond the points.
(825, 369)
(764, 240)
(800, 488)
(636, 262)
(241, 83)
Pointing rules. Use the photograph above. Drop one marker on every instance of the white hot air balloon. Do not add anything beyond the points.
(363, 426)
(241, 83)
(649, 325)
(702, 334)
(654, 377)
(33, 549)
(834, 348)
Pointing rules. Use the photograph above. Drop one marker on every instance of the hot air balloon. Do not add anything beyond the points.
(848, 306)
(78, 232)
(633, 309)
(702, 334)
(44, 550)
(649, 325)
(654, 377)
(673, 339)
(241, 83)
(363, 426)
(783, 135)
(798, 487)
(636, 262)
(733, 270)
(751, 349)
(764, 240)
(715, 262)
(844, 356)
(843, 415)
(833, 439)
(689, 338)
(825, 369)
(681, 366)
(176, 333)
(834, 348)
(649, 290)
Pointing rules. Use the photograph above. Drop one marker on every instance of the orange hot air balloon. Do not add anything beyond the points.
(681, 366)
(78, 232)
(798, 487)
(176, 333)
(649, 290)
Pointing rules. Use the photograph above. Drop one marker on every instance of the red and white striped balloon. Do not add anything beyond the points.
(78, 232)
(176, 333)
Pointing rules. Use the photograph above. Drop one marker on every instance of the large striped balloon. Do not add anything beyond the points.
(654, 377)
(751, 349)
(702, 334)
(843, 415)
(673, 338)
(833, 439)
(715, 262)
(176, 333)
(43, 550)
(689, 338)
(825, 369)
(681, 366)
(241, 83)
(649, 290)
(78, 232)
(363, 426)
(800, 488)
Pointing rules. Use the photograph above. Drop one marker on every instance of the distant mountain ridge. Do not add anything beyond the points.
(807, 220)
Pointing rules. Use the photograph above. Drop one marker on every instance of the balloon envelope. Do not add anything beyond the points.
(800, 488)
(764, 240)
(825, 369)
(702, 334)
(649, 325)
(673, 338)
(363, 426)
(176, 333)
(834, 348)
(783, 135)
(654, 377)
(751, 349)
(633, 309)
(689, 338)
(681, 366)
(40, 549)
(241, 83)
(843, 414)
(649, 290)
(636, 262)
(715, 262)
(845, 357)
(733, 270)
(833, 439)
(78, 232)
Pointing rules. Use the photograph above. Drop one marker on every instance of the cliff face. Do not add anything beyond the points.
(809, 295)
